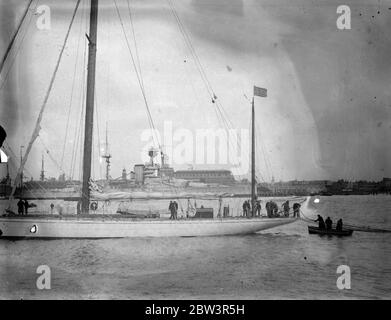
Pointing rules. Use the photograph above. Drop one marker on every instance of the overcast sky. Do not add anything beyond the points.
(327, 114)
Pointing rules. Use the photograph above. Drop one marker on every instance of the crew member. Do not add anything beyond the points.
(244, 206)
(258, 208)
(249, 212)
(285, 207)
(20, 205)
(176, 210)
(296, 209)
(26, 207)
(339, 225)
(268, 209)
(329, 223)
(274, 208)
(322, 225)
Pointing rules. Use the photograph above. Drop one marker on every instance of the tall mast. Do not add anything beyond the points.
(7, 177)
(42, 177)
(89, 118)
(107, 156)
(21, 162)
(253, 196)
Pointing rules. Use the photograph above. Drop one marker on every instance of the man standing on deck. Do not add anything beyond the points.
(20, 205)
(286, 208)
(296, 210)
(172, 209)
(267, 206)
(26, 207)
(176, 210)
(249, 211)
(258, 208)
(244, 206)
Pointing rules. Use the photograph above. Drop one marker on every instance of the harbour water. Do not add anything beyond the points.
(284, 262)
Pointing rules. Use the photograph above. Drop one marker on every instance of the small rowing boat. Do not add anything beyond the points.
(332, 232)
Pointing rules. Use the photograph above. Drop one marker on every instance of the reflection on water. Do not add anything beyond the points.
(285, 262)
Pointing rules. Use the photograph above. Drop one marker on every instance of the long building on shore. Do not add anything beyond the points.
(206, 176)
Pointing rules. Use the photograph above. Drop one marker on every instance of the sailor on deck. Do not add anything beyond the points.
(249, 211)
(20, 205)
(26, 207)
(176, 209)
(286, 208)
(296, 209)
(172, 209)
(268, 209)
(258, 208)
(274, 209)
(244, 206)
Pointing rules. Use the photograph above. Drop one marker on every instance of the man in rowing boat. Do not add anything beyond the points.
(329, 223)
(322, 225)
(339, 225)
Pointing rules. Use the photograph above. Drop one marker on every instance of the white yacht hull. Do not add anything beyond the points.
(99, 227)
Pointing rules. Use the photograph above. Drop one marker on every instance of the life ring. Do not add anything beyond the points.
(94, 206)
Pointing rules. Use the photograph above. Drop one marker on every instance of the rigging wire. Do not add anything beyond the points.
(50, 155)
(80, 122)
(98, 132)
(150, 119)
(10, 151)
(221, 114)
(72, 91)
(263, 150)
(7, 51)
(189, 44)
(135, 44)
(17, 49)
(43, 106)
